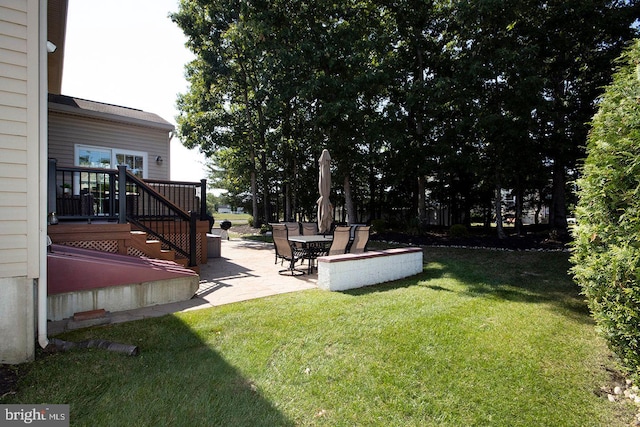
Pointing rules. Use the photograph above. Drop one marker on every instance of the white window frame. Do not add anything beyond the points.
(144, 155)
(78, 147)
(114, 152)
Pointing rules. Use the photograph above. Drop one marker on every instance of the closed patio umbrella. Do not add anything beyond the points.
(325, 209)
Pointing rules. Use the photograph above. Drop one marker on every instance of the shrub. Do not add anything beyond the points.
(250, 221)
(413, 226)
(606, 252)
(458, 230)
(379, 225)
(264, 228)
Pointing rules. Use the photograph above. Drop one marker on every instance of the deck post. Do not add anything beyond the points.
(51, 186)
(122, 194)
(203, 199)
(193, 219)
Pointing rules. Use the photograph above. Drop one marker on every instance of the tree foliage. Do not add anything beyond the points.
(606, 256)
(422, 104)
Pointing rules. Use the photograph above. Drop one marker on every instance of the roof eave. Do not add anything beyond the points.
(66, 109)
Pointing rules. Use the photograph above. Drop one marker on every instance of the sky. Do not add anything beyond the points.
(129, 53)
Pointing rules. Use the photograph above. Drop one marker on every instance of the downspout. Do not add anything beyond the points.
(43, 171)
(172, 133)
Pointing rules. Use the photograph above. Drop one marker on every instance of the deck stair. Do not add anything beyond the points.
(122, 239)
(149, 247)
(153, 248)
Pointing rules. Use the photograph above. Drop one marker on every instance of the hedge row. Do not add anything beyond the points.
(606, 255)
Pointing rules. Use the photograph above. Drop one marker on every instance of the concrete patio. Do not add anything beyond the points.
(245, 271)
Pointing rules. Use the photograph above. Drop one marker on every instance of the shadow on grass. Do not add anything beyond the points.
(527, 277)
(178, 379)
(438, 288)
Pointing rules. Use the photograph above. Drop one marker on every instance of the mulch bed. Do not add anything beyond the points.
(475, 239)
(529, 241)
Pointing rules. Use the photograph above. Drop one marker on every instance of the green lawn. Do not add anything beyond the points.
(480, 338)
(235, 218)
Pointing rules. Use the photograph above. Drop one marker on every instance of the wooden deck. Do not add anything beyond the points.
(117, 238)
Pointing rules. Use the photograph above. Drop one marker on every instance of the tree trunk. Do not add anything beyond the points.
(558, 212)
(348, 201)
(266, 197)
(538, 207)
(257, 222)
(293, 193)
(518, 219)
(287, 202)
(373, 205)
(422, 207)
(498, 208)
(466, 220)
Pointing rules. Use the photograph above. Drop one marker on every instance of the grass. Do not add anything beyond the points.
(235, 218)
(480, 338)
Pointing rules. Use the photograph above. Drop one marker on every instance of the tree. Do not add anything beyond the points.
(453, 99)
(578, 41)
(347, 80)
(493, 60)
(224, 107)
(535, 72)
(606, 255)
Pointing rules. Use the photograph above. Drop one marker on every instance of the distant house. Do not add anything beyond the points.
(224, 209)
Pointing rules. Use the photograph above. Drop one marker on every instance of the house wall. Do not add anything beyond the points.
(21, 104)
(67, 130)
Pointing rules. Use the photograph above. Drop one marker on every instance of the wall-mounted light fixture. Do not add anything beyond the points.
(159, 160)
(51, 47)
(52, 219)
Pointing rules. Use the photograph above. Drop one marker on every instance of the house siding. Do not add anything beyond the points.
(13, 139)
(67, 130)
(20, 155)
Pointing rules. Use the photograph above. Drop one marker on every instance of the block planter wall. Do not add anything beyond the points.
(350, 271)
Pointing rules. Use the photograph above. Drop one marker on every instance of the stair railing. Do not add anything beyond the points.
(166, 210)
(147, 209)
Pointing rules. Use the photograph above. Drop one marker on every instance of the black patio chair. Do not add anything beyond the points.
(286, 251)
(278, 228)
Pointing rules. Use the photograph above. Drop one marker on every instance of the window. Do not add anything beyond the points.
(93, 157)
(100, 157)
(96, 185)
(133, 161)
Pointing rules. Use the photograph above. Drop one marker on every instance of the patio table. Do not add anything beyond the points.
(312, 246)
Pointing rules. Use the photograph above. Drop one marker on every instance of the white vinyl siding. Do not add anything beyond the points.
(19, 138)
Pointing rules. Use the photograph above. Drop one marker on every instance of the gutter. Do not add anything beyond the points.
(43, 147)
(42, 312)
